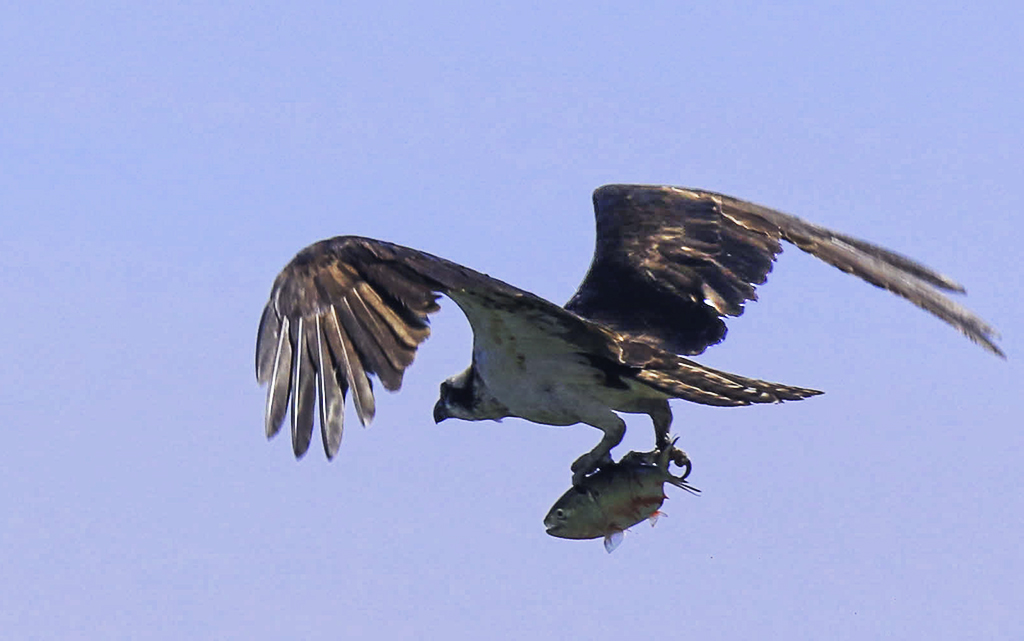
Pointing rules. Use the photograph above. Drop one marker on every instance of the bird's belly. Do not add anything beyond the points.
(531, 369)
(552, 391)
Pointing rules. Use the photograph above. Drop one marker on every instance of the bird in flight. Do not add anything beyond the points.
(670, 263)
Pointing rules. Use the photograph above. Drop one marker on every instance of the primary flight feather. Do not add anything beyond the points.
(669, 264)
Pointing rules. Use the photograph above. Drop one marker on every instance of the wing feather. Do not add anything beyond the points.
(348, 362)
(356, 321)
(397, 355)
(413, 299)
(266, 344)
(303, 389)
(409, 333)
(671, 262)
(331, 390)
(279, 379)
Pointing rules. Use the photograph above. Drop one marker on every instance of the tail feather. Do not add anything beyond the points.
(691, 381)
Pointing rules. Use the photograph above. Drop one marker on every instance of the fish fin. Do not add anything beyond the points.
(612, 541)
(653, 519)
(682, 484)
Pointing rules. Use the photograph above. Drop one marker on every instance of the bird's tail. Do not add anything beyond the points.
(691, 381)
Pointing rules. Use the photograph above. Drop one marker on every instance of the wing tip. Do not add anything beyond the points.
(987, 341)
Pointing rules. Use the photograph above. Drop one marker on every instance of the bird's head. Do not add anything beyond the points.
(465, 396)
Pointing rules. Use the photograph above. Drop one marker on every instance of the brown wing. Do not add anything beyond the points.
(671, 262)
(349, 307)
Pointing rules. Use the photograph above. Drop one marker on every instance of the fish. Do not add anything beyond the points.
(617, 497)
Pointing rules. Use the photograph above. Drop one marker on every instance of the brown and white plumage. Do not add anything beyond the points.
(699, 255)
(670, 263)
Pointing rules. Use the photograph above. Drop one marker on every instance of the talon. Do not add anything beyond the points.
(589, 463)
(680, 458)
(581, 467)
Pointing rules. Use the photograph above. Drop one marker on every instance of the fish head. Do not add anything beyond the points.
(576, 515)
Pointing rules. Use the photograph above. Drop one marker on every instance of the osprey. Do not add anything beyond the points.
(669, 264)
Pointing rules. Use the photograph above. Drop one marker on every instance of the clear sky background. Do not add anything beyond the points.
(160, 164)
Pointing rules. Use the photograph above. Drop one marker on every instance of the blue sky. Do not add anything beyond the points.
(162, 163)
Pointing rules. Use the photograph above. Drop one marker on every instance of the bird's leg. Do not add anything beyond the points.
(661, 416)
(614, 428)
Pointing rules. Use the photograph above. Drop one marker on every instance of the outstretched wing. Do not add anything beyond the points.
(343, 309)
(671, 262)
(349, 307)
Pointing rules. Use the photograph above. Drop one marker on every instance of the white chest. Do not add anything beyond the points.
(531, 369)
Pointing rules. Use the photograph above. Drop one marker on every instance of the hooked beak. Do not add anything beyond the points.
(440, 412)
